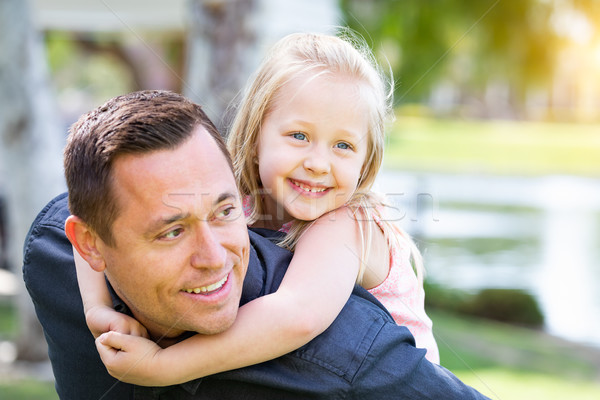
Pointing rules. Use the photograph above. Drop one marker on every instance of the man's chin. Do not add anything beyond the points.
(175, 335)
(215, 323)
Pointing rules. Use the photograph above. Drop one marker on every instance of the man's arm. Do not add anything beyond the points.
(49, 274)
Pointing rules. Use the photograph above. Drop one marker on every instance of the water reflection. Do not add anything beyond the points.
(536, 234)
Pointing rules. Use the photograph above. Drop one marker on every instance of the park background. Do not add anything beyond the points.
(492, 161)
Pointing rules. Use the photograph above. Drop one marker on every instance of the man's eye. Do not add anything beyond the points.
(226, 212)
(172, 234)
(299, 136)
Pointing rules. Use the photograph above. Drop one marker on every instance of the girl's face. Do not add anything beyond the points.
(312, 146)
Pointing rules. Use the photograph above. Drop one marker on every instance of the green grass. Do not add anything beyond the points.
(19, 389)
(502, 384)
(508, 362)
(496, 147)
(8, 320)
(28, 390)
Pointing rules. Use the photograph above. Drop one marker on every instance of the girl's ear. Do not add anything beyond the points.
(85, 242)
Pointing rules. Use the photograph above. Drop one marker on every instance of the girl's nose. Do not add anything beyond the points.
(317, 163)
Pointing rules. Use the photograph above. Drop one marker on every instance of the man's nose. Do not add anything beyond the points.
(317, 161)
(208, 251)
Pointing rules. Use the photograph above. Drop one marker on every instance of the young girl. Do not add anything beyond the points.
(306, 144)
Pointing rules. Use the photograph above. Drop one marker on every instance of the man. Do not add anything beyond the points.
(154, 206)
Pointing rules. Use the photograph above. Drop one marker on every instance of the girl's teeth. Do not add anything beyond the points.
(308, 188)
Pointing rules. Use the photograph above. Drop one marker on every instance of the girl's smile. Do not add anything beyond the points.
(309, 189)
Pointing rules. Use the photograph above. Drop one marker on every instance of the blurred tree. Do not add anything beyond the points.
(221, 42)
(30, 155)
(471, 43)
(149, 62)
(90, 67)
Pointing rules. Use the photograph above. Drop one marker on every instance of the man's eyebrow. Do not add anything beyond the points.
(226, 196)
(158, 223)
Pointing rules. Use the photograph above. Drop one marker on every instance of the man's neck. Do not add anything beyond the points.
(164, 338)
(165, 342)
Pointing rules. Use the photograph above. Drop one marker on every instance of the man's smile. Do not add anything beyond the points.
(210, 288)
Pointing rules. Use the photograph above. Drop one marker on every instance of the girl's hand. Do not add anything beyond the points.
(101, 319)
(131, 359)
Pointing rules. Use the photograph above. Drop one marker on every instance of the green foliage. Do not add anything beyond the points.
(442, 298)
(513, 306)
(505, 305)
(93, 64)
(468, 42)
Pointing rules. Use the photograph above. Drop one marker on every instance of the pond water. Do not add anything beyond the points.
(538, 234)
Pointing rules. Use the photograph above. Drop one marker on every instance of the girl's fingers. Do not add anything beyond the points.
(139, 330)
(111, 340)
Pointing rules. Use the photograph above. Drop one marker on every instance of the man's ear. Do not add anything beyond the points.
(85, 241)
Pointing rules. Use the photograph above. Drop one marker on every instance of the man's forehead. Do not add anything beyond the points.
(198, 201)
(195, 172)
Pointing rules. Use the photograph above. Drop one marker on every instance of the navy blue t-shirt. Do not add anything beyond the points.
(362, 355)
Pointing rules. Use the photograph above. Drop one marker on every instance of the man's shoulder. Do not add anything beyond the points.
(54, 213)
(50, 278)
(266, 267)
(348, 342)
(264, 243)
(49, 224)
(343, 347)
(342, 362)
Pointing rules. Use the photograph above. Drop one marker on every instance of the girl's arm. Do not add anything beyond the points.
(316, 286)
(97, 304)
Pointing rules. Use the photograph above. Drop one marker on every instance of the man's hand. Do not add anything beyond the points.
(101, 319)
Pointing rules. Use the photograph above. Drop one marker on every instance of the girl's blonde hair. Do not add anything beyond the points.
(300, 54)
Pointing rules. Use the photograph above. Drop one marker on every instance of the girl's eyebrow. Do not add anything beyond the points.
(352, 136)
(301, 122)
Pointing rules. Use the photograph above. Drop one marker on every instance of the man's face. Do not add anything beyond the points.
(181, 243)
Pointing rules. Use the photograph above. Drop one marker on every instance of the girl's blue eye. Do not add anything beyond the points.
(299, 136)
(343, 146)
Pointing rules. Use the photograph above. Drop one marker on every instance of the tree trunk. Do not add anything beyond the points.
(221, 54)
(31, 150)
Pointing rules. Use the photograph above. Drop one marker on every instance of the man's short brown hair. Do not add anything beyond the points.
(135, 123)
